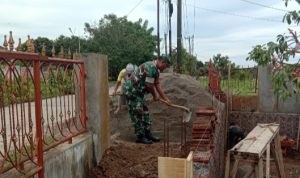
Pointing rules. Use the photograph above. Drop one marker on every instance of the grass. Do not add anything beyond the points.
(244, 87)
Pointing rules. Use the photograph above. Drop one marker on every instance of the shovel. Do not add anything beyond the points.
(186, 114)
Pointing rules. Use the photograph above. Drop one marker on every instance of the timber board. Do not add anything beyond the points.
(264, 134)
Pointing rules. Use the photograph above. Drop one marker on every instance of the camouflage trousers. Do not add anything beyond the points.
(139, 115)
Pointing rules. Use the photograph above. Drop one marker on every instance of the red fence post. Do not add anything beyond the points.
(83, 99)
(38, 116)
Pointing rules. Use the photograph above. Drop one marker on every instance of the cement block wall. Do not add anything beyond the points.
(218, 158)
(267, 101)
(289, 123)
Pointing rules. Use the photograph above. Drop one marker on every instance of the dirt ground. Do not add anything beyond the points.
(126, 159)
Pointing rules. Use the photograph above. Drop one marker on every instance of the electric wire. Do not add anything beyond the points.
(262, 5)
(185, 25)
(236, 15)
(134, 7)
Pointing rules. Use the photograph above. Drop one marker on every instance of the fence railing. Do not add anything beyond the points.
(42, 104)
(243, 81)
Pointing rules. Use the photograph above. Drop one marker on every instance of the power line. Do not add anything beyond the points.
(134, 7)
(262, 5)
(234, 14)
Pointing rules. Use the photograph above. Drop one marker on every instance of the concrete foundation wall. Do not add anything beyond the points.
(289, 123)
(97, 101)
(217, 162)
(64, 161)
(267, 101)
(70, 160)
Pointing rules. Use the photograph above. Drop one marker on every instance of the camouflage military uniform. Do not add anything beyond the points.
(135, 89)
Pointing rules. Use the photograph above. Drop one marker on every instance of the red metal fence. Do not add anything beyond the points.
(42, 104)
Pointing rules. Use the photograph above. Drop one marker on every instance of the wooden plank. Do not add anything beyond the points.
(234, 168)
(227, 168)
(268, 161)
(250, 171)
(263, 133)
(278, 155)
(260, 168)
(189, 165)
(171, 167)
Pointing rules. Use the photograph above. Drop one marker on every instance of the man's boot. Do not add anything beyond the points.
(149, 136)
(143, 139)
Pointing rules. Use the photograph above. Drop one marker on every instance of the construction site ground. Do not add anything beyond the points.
(127, 159)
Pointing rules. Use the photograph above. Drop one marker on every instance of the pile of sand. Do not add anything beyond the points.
(182, 90)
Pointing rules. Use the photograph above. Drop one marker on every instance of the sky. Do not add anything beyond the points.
(228, 27)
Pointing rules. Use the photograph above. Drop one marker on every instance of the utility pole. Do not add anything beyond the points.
(158, 38)
(190, 53)
(170, 27)
(179, 35)
(189, 38)
(166, 45)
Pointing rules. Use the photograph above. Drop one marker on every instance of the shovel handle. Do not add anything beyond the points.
(117, 94)
(175, 106)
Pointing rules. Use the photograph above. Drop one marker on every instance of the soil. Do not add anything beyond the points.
(127, 159)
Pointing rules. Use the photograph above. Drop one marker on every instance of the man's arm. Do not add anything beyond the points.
(116, 87)
(151, 89)
(162, 93)
(120, 77)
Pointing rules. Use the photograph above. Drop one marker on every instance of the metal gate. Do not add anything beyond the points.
(42, 104)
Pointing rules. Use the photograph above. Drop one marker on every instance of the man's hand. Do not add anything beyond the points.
(115, 93)
(168, 101)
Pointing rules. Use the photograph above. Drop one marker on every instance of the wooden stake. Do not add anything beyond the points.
(278, 157)
(227, 169)
(298, 134)
(268, 161)
(235, 167)
(259, 169)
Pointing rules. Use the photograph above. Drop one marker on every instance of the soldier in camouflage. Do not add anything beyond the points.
(137, 85)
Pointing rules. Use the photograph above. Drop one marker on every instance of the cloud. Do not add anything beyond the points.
(227, 27)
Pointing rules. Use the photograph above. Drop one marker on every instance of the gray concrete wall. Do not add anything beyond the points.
(70, 160)
(97, 101)
(267, 101)
(66, 160)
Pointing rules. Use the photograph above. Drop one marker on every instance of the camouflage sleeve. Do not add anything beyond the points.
(128, 88)
(142, 71)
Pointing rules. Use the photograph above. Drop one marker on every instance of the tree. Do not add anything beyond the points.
(40, 41)
(71, 43)
(222, 62)
(123, 41)
(285, 76)
(189, 63)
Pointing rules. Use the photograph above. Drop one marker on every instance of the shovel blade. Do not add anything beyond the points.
(187, 116)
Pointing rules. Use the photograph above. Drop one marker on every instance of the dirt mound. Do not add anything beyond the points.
(127, 159)
(182, 90)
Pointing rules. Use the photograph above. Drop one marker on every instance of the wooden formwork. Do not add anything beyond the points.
(175, 167)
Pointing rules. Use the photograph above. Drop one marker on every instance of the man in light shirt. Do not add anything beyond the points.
(122, 77)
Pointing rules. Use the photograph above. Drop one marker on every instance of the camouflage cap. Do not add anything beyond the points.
(166, 59)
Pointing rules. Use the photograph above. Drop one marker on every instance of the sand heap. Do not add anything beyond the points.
(182, 90)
